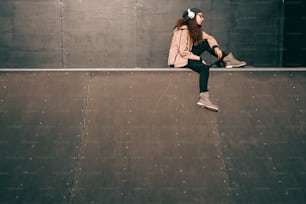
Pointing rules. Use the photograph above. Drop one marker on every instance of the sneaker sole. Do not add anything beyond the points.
(236, 66)
(207, 107)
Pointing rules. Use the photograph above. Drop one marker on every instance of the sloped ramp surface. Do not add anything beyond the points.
(138, 137)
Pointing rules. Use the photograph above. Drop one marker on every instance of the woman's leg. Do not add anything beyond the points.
(203, 70)
(227, 60)
(204, 46)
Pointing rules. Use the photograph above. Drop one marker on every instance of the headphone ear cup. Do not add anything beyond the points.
(191, 14)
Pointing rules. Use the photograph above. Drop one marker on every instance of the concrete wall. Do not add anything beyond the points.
(130, 33)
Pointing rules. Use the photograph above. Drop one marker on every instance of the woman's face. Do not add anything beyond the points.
(200, 18)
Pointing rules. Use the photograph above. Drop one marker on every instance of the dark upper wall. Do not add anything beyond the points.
(130, 33)
(294, 51)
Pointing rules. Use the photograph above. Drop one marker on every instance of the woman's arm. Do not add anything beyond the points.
(213, 44)
(211, 40)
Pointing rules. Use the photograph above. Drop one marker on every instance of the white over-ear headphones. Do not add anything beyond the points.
(191, 14)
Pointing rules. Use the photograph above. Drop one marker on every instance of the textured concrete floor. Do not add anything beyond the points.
(138, 137)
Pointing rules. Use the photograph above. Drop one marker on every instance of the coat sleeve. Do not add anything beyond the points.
(211, 40)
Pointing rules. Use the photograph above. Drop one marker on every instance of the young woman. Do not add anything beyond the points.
(189, 41)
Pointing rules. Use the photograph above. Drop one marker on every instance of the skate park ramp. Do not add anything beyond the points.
(137, 137)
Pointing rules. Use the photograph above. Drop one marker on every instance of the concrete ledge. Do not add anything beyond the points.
(261, 69)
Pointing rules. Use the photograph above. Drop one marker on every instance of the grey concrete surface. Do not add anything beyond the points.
(130, 33)
(138, 137)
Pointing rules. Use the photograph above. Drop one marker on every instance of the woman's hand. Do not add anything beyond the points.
(218, 52)
(203, 61)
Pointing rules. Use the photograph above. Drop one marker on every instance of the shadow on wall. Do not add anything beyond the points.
(81, 34)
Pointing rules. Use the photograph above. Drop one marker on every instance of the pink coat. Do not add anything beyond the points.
(181, 45)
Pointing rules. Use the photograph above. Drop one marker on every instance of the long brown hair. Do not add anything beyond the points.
(195, 30)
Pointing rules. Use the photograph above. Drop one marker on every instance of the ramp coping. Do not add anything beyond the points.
(261, 69)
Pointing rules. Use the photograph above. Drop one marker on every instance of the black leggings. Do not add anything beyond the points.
(199, 67)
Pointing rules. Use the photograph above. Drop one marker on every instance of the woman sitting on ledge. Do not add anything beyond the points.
(189, 42)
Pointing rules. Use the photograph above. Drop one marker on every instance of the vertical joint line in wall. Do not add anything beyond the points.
(281, 33)
(211, 16)
(136, 7)
(13, 22)
(136, 49)
(211, 22)
(62, 32)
